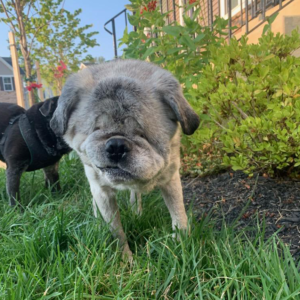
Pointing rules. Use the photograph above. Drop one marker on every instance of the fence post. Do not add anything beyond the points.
(16, 69)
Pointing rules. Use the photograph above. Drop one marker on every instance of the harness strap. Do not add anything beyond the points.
(14, 119)
(38, 153)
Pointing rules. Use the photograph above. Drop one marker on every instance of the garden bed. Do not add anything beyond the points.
(235, 197)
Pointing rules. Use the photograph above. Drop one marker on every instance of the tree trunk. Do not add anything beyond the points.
(28, 69)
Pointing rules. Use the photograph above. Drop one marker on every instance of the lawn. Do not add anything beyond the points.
(56, 249)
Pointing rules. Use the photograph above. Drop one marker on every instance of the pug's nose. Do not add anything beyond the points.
(116, 149)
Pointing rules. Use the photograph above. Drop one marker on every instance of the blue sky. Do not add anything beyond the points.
(95, 12)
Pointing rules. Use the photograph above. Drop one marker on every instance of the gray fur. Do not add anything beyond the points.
(140, 104)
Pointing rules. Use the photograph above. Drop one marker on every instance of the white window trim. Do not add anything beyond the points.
(234, 11)
(11, 80)
(181, 21)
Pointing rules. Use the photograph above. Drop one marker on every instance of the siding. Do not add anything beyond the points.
(168, 5)
(165, 8)
(205, 13)
(9, 97)
(4, 70)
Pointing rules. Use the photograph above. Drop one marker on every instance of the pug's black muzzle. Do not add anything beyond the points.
(117, 149)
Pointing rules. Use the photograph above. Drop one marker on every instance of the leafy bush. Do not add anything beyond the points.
(183, 50)
(247, 96)
(251, 97)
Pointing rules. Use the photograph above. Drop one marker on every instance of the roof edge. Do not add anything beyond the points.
(6, 63)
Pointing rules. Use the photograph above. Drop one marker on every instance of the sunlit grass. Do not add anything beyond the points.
(56, 249)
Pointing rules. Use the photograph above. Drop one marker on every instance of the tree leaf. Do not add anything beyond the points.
(172, 30)
(187, 41)
(148, 52)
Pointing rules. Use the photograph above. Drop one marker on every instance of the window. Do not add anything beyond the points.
(235, 7)
(7, 83)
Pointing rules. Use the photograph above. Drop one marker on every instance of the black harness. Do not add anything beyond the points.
(37, 151)
(38, 154)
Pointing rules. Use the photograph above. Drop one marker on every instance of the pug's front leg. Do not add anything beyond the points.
(104, 200)
(173, 197)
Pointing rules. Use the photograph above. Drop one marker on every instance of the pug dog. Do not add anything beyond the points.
(123, 119)
(27, 143)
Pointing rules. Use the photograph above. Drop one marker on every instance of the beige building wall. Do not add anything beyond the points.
(287, 20)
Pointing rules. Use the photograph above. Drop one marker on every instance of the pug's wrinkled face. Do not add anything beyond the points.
(128, 136)
(122, 117)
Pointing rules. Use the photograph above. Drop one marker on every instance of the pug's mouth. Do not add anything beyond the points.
(116, 173)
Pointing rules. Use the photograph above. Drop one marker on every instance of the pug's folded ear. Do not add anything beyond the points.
(49, 106)
(66, 104)
(188, 119)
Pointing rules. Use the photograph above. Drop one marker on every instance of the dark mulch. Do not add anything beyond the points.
(227, 195)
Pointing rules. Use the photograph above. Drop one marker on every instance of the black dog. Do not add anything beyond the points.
(27, 143)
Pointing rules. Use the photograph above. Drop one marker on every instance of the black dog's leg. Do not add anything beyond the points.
(52, 177)
(13, 177)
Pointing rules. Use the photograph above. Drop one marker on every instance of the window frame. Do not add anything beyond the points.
(234, 11)
(11, 83)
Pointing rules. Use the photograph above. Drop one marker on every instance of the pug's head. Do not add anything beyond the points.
(123, 117)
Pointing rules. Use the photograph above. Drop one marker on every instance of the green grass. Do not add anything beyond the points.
(57, 250)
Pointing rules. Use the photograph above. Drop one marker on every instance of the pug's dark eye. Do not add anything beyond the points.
(96, 128)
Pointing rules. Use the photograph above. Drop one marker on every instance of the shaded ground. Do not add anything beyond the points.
(228, 194)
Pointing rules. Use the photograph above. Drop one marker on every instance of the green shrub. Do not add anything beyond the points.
(251, 97)
(183, 50)
(247, 96)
